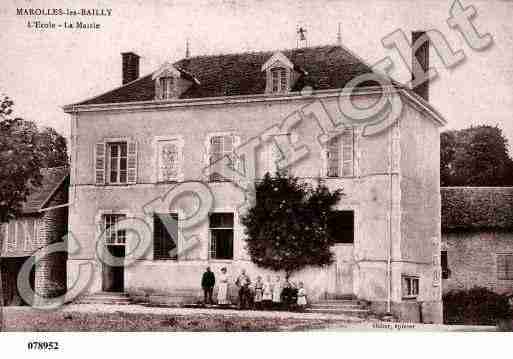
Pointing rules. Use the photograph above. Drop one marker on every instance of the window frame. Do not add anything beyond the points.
(109, 146)
(281, 79)
(113, 215)
(405, 278)
(233, 155)
(167, 87)
(339, 136)
(508, 274)
(176, 240)
(210, 236)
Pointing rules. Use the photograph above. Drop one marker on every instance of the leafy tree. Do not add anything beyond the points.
(52, 145)
(476, 156)
(287, 226)
(23, 152)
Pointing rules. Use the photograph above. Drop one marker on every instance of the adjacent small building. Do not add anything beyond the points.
(43, 220)
(477, 238)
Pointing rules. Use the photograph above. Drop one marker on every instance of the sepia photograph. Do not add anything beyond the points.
(328, 166)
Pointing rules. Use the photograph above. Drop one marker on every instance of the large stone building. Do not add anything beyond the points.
(477, 238)
(43, 220)
(132, 145)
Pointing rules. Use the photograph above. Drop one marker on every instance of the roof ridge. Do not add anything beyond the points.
(257, 52)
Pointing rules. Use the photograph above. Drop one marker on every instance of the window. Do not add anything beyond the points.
(220, 146)
(167, 87)
(410, 286)
(339, 155)
(165, 235)
(333, 157)
(169, 154)
(113, 235)
(505, 266)
(279, 79)
(445, 265)
(221, 236)
(341, 226)
(117, 164)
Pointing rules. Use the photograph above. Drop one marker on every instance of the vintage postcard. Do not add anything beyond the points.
(256, 166)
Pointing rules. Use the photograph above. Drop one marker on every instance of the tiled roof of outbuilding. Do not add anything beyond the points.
(326, 67)
(39, 196)
(477, 208)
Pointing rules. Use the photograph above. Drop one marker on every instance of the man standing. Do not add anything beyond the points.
(243, 283)
(207, 283)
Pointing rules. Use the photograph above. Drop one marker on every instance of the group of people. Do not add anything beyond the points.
(262, 294)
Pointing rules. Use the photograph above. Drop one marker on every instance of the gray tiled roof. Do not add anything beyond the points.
(326, 67)
(52, 178)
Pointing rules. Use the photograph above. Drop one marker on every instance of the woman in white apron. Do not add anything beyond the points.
(222, 290)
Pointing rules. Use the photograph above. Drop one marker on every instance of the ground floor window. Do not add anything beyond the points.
(505, 266)
(113, 235)
(341, 226)
(221, 235)
(165, 235)
(410, 286)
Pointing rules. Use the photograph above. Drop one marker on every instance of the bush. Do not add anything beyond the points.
(476, 306)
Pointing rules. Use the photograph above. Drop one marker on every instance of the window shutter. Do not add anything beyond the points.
(99, 164)
(132, 162)
(347, 138)
(239, 159)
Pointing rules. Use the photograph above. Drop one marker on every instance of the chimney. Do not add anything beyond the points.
(420, 64)
(130, 65)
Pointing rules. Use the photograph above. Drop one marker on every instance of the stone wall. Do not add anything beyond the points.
(472, 260)
(50, 273)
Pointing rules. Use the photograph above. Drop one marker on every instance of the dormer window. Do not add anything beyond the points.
(280, 74)
(279, 81)
(172, 81)
(167, 87)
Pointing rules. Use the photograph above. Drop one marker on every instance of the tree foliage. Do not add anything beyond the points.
(476, 156)
(287, 226)
(24, 150)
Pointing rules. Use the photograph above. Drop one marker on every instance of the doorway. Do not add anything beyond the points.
(9, 269)
(114, 276)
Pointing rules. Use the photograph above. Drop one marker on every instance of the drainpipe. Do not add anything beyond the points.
(389, 257)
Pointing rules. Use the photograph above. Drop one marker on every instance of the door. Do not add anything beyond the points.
(343, 270)
(114, 276)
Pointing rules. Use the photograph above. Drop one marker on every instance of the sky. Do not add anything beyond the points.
(45, 69)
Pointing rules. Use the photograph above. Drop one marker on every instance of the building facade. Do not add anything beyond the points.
(135, 145)
(43, 220)
(477, 238)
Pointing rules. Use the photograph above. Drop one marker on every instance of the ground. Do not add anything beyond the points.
(92, 317)
(140, 318)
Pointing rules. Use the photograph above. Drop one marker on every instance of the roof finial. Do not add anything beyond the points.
(301, 40)
(339, 36)
(187, 50)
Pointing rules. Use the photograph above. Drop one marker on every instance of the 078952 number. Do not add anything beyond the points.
(43, 345)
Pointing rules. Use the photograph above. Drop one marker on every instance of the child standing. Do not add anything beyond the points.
(259, 288)
(301, 297)
(277, 289)
(267, 292)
